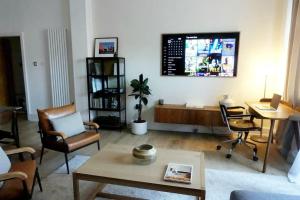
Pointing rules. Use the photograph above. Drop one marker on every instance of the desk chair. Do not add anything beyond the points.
(241, 123)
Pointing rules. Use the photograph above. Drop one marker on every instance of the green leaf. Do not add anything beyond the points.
(134, 83)
(145, 82)
(145, 100)
(137, 106)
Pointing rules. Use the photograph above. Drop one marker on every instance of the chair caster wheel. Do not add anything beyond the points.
(228, 156)
(255, 158)
(219, 147)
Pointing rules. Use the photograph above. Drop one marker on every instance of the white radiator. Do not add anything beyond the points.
(59, 66)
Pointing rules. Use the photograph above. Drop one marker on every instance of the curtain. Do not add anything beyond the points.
(292, 86)
(292, 92)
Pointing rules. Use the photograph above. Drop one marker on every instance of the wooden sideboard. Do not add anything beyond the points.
(180, 114)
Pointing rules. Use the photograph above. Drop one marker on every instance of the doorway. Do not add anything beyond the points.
(12, 85)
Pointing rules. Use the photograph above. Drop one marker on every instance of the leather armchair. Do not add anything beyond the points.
(58, 141)
(20, 180)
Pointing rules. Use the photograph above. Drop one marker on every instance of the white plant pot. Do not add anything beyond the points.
(139, 128)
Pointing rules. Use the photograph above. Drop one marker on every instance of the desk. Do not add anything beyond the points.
(283, 112)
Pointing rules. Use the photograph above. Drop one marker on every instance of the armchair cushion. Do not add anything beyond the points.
(13, 188)
(51, 113)
(5, 164)
(70, 125)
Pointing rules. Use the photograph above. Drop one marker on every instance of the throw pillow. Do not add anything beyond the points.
(70, 125)
(5, 164)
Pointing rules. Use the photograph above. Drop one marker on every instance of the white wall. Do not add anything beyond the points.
(33, 18)
(139, 24)
(80, 20)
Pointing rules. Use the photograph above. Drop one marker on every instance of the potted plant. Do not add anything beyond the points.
(140, 91)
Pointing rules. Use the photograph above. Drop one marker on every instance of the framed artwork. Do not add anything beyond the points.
(106, 47)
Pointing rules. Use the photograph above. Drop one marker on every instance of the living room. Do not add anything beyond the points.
(267, 62)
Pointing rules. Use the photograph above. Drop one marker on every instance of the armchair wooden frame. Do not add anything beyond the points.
(21, 175)
(62, 138)
(58, 141)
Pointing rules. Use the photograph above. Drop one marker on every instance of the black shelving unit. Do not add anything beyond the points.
(107, 91)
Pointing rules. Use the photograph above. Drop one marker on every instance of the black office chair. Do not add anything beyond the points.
(241, 123)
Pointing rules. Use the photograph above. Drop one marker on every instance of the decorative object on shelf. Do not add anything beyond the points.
(227, 101)
(140, 92)
(107, 91)
(161, 102)
(144, 154)
(106, 47)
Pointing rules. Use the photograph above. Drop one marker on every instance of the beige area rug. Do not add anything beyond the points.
(219, 184)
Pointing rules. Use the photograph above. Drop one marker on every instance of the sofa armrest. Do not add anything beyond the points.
(57, 133)
(12, 175)
(20, 150)
(295, 117)
(250, 195)
(92, 124)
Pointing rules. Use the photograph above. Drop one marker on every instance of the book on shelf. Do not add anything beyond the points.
(121, 69)
(96, 102)
(181, 173)
(96, 84)
(97, 69)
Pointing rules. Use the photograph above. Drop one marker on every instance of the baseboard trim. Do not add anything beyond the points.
(33, 117)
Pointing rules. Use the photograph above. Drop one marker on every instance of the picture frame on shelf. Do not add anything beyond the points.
(106, 47)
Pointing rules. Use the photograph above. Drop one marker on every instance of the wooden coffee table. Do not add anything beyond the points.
(114, 164)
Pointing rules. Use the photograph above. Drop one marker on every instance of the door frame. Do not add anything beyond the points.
(24, 65)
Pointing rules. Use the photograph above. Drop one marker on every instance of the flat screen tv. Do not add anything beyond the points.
(200, 54)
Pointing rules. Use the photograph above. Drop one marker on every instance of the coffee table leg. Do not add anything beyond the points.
(268, 145)
(76, 187)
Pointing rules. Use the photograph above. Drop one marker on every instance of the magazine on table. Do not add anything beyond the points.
(181, 173)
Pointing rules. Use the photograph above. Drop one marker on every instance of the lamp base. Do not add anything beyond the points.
(259, 138)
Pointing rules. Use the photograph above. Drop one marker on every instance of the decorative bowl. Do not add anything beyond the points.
(144, 154)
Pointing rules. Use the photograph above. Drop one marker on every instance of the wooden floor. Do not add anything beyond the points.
(240, 161)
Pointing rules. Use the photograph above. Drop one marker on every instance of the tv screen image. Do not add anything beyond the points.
(200, 54)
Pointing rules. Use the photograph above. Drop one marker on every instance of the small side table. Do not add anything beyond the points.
(11, 112)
